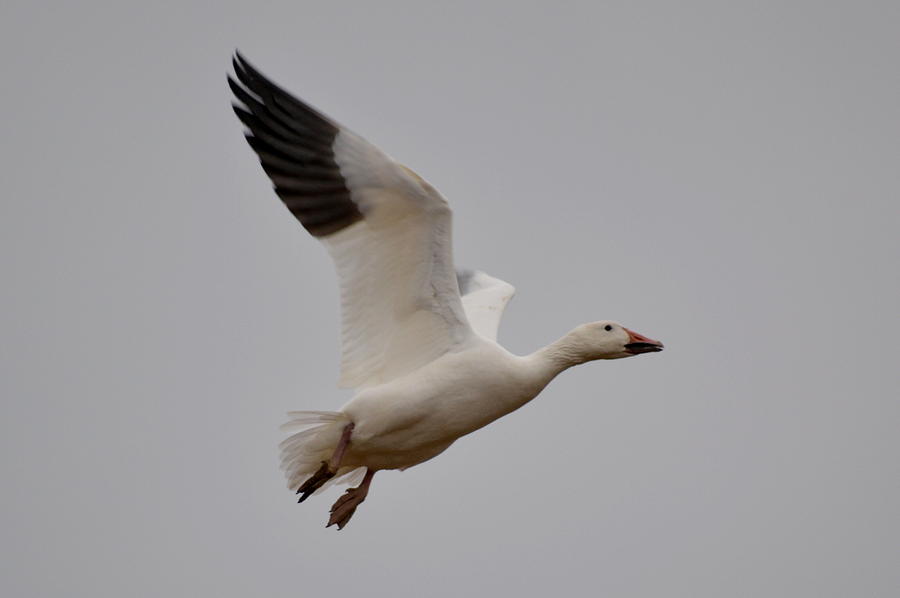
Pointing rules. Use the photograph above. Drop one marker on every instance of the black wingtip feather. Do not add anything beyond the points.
(276, 97)
(294, 143)
(243, 115)
(238, 91)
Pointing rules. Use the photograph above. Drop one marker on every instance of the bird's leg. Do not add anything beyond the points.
(346, 505)
(328, 469)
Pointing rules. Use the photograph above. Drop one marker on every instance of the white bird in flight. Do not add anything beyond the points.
(418, 338)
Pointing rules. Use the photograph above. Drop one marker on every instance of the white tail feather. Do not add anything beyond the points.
(316, 434)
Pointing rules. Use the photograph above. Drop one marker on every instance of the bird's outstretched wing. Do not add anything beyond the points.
(388, 231)
(484, 298)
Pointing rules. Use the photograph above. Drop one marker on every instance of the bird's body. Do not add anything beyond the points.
(407, 421)
(418, 337)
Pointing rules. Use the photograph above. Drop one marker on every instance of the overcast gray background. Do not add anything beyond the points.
(722, 176)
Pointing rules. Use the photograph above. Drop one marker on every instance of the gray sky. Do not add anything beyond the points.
(721, 176)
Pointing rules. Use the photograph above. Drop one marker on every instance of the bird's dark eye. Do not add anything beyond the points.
(607, 328)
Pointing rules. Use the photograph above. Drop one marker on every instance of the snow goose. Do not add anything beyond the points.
(418, 338)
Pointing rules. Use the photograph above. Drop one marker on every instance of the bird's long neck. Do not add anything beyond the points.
(534, 372)
(555, 358)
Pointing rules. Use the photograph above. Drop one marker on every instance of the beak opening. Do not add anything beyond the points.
(638, 343)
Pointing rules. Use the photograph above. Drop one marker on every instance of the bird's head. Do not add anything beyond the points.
(611, 340)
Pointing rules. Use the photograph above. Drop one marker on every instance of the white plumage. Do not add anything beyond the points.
(418, 339)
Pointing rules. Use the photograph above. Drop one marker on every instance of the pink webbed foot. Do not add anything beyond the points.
(314, 482)
(345, 506)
